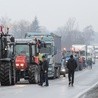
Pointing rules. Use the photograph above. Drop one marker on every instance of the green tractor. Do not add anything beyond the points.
(7, 68)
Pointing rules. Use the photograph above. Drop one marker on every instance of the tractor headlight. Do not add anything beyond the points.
(17, 64)
(22, 65)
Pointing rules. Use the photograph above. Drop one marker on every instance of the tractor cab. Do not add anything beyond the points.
(24, 51)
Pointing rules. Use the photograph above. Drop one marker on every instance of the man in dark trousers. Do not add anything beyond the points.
(71, 65)
(45, 65)
(41, 74)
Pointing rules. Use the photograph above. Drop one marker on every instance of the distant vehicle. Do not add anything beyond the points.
(96, 51)
(81, 51)
(65, 58)
(91, 53)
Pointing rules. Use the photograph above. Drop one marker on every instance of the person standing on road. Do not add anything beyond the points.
(41, 70)
(71, 65)
(41, 74)
(45, 65)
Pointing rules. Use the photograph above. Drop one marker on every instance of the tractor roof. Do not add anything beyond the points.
(24, 41)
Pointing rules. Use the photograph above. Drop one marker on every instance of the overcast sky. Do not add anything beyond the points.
(52, 13)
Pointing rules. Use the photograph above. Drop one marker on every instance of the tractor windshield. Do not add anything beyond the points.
(22, 50)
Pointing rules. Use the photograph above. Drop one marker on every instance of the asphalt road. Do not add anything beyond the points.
(58, 88)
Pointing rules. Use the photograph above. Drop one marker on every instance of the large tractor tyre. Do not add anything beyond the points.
(36, 76)
(33, 74)
(5, 74)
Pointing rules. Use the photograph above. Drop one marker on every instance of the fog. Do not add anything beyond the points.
(52, 13)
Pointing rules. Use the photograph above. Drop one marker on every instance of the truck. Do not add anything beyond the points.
(81, 49)
(91, 53)
(81, 52)
(52, 51)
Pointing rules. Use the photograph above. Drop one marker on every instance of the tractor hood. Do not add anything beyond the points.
(21, 62)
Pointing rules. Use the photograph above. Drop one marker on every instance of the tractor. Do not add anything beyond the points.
(24, 52)
(17, 60)
(7, 68)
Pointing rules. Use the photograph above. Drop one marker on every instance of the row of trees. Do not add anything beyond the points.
(19, 29)
(69, 33)
(72, 35)
(22, 27)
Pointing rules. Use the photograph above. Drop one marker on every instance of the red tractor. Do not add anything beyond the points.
(26, 67)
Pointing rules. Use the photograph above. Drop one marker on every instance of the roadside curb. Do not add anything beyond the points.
(82, 94)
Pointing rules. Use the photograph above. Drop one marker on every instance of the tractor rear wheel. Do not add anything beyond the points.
(5, 74)
(33, 74)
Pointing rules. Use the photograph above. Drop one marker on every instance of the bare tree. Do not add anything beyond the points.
(20, 28)
(72, 35)
(67, 32)
(5, 22)
(88, 31)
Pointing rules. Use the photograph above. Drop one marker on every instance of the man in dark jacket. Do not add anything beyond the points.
(71, 65)
(45, 69)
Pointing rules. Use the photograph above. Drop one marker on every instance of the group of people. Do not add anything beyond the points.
(71, 65)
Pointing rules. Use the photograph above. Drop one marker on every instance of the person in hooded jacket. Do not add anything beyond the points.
(71, 65)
